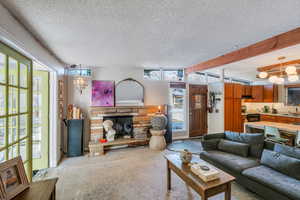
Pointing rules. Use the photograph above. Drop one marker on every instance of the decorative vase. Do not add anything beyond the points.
(185, 156)
(159, 122)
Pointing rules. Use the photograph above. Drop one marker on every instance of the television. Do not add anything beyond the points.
(293, 96)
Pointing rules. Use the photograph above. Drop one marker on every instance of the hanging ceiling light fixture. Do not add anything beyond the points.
(293, 78)
(263, 74)
(273, 79)
(291, 70)
(80, 81)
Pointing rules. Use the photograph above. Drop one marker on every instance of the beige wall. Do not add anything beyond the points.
(156, 92)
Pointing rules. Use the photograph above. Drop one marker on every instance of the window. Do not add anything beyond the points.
(78, 72)
(15, 108)
(173, 75)
(168, 75)
(293, 96)
(178, 104)
(150, 74)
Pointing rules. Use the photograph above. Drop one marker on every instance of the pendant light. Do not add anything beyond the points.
(273, 79)
(291, 70)
(293, 78)
(80, 82)
(263, 74)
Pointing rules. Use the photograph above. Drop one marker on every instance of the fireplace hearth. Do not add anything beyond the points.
(122, 124)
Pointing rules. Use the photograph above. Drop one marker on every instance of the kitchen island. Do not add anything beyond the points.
(290, 128)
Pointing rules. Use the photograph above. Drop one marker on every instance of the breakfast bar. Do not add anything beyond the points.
(290, 128)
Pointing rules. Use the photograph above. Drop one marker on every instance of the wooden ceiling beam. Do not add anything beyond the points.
(277, 66)
(278, 73)
(280, 41)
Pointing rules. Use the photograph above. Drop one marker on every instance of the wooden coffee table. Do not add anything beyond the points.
(204, 189)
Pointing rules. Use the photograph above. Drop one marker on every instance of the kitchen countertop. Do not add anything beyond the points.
(282, 126)
(279, 114)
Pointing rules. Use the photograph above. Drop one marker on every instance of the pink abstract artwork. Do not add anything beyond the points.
(103, 93)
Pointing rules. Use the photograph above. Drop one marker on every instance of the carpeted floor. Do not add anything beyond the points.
(125, 174)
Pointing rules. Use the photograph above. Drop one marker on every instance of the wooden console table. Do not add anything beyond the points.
(40, 190)
(204, 189)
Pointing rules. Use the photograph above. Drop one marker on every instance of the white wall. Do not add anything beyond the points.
(15, 35)
(156, 92)
(215, 120)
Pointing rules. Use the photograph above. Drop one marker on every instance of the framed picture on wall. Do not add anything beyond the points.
(103, 93)
(13, 178)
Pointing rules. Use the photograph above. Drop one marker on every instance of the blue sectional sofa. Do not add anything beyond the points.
(270, 170)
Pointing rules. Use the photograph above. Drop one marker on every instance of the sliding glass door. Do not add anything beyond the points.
(15, 106)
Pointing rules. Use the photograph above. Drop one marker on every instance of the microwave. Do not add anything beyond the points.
(253, 117)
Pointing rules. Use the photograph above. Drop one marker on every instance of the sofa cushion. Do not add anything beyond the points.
(237, 148)
(282, 163)
(255, 140)
(287, 150)
(275, 180)
(229, 161)
(209, 145)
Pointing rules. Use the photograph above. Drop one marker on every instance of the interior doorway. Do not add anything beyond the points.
(197, 110)
(40, 118)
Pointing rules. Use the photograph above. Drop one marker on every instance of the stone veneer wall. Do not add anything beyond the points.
(141, 119)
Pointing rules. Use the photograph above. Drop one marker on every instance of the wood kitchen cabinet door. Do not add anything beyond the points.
(288, 120)
(228, 121)
(229, 90)
(258, 93)
(248, 90)
(237, 115)
(270, 93)
(237, 91)
(268, 118)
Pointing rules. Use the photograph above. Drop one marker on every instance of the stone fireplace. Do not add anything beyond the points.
(122, 124)
(135, 117)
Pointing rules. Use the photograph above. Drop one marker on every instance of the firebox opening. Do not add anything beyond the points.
(123, 126)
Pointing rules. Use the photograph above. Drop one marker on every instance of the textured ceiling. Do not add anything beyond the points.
(151, 33)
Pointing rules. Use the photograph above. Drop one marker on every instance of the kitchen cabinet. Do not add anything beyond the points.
(269, 118)
(247, 90)
(233, 114)
(237, 116)
(270, 93)
(228, 90)
(228, 121)
(237, 91)
(257, 93)
(279, 119)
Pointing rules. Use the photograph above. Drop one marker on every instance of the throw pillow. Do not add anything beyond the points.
(255, 140)
(287, 150)
(284, 164)
(237, 148)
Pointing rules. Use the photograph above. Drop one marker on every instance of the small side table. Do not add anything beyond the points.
(39, 190)
(157, 140)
